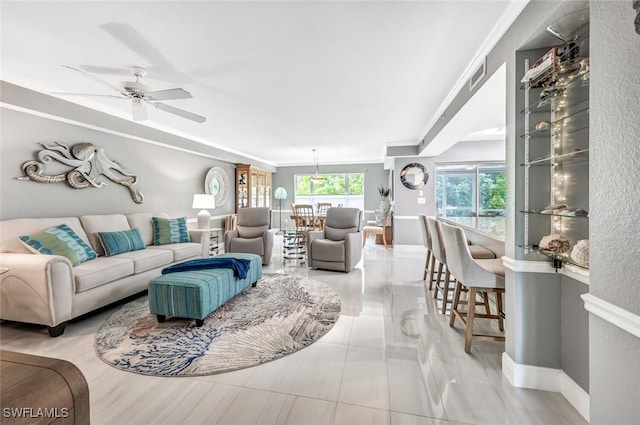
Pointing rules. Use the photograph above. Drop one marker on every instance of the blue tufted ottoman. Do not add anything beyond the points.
(196, 293)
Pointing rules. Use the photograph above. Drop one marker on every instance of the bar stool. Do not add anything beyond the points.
(426, 240)
(439, 252)
(485, 275)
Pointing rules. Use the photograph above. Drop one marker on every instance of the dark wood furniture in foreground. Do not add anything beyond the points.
(41, 390)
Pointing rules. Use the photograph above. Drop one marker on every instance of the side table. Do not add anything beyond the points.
(214, 239)
(294, 246)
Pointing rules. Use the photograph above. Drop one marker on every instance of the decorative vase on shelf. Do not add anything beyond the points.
(385, 204)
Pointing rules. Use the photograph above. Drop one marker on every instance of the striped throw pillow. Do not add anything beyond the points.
(115, 243)
(59, 240)
(170, 230)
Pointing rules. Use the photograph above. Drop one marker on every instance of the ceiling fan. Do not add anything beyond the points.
(141, 94)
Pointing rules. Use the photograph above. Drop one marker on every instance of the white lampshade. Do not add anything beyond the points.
(204, 202)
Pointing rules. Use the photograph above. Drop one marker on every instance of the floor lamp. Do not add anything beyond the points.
(280, 194)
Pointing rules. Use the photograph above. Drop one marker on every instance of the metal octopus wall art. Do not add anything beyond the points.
(89, 162)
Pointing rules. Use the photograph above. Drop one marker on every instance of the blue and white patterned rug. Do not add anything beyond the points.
(281, 315)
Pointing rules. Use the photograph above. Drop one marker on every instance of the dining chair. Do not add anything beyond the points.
(371, 229)
(482, 275)
(323, 207)
(304, 217)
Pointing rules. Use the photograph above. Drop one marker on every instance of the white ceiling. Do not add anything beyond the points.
(274, 79)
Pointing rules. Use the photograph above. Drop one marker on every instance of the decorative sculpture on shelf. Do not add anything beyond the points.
(88, 161)
(385, 204)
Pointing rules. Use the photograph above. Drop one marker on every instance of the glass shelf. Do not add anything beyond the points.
(572, 92)
(558, 259)
(538, 133)
(575, 157)
(556, 215)
(574, 122)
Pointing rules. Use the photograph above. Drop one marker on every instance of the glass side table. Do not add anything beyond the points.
(214, 239)
(294, 245)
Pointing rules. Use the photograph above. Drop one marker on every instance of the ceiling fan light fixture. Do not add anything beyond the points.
(140, 94)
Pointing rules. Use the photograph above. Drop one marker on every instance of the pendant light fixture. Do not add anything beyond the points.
(317, 178)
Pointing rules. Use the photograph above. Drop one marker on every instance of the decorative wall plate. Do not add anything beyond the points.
(217, 183)
(414, 176)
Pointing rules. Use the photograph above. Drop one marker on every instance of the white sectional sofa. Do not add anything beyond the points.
(48, 290)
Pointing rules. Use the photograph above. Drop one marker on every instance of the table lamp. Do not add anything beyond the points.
(203, 203)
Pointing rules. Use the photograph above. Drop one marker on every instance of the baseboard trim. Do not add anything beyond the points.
(546, 379)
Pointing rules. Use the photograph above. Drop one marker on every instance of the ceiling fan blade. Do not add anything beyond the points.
(138, 109)
(106, 70)
(170, 94)
(181, 112)
(160, 67)
(93, 77)
(87, 95)
(130, 37)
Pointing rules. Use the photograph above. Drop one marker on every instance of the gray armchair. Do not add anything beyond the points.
(251, 234)
(339, 245)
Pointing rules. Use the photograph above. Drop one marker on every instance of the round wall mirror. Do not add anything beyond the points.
(217, 183)
(414, 176)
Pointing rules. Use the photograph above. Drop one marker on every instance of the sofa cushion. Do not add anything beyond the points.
(143, 222)
(11, 229)
(336, 234)
(59, 240)
(148, 259)
(249, 232)
(115, 243)
(252, 246)
(100, 271)
(170, 230)
(102, 223)
(181, 251)
(328, 250)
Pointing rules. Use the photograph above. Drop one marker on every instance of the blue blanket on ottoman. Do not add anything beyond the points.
(239, 266)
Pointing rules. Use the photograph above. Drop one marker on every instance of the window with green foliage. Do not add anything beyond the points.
(472, 194)
(339, 189)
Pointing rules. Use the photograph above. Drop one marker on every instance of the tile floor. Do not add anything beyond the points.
(390, 359)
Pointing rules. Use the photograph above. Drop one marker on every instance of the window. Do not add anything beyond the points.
(473, 195)
(345, 189)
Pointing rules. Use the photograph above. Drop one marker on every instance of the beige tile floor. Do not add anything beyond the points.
(390, 359)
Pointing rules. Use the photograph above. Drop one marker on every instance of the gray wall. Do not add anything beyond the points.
(374, 175)
(549, 326)
(168, 177)
(615, 195)
(407, 229)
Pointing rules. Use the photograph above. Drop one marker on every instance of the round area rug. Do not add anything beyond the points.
(281, 315)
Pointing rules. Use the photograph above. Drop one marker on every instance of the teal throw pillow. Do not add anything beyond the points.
(59, 240)
(170, 230)
(115, 243)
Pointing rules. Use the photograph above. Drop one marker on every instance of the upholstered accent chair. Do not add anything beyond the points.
(339, 245)
(251, 234)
